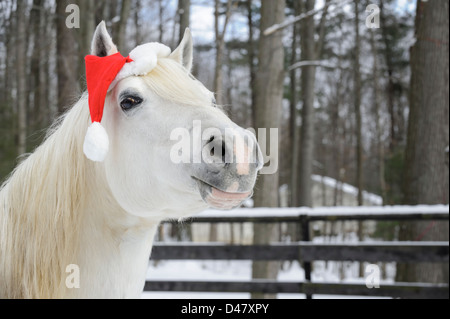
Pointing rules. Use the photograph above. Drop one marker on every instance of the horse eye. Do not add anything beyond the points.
(130, 102)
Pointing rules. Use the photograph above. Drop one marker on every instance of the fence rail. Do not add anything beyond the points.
(295, 215)
(306, 252)
(397, 290)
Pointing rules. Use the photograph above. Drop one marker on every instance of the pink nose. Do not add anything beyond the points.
(242, 154)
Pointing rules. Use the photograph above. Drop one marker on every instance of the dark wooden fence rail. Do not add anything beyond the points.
(307, 252)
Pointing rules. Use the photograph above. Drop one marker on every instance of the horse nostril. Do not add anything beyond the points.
(223, 152)
(217, 149)
(211, 152)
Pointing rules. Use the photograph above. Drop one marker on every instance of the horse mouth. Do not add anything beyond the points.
(218, 199)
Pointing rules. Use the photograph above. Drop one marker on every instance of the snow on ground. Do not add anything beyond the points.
(347, 188)
(198, 270)
(241, 270)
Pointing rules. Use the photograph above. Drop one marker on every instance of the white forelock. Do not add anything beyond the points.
(145, 57)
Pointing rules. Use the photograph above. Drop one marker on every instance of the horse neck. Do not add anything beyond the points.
(114, 246)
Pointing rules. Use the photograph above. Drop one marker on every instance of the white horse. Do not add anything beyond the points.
(64, 216)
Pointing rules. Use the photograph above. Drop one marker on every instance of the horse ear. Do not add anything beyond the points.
(183, 53)
(102, 44)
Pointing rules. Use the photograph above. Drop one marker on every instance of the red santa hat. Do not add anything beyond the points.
(102, 75)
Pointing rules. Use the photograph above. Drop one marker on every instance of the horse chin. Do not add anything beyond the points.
(219, 199)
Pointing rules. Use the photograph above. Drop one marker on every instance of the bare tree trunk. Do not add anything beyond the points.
(161, 20)
(87, 28)
(294, 127)
(251, 59)
(184, 14)
(308, 78)
(357, 106)
(426, 161)
(137, 23)
(35, 87)
(311, 50)
(336, 124)
(67, 58)
(376, 105)
(10, 47)
(358, 122)
(44, 117)
(121, 28)
(51, 91)
(220, 46)
(21, 76)
(269, 95)
(426, 168)
(394, 136)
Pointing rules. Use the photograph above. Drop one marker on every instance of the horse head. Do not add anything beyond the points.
(171, 149)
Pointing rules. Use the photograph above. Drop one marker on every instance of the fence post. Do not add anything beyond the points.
(304, 226)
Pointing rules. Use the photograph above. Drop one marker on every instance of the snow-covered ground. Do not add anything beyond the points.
(350, 191)
(241, 270)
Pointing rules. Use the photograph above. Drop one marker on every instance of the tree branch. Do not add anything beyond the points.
(292, 20)
(321, 40)
(323, 64)
(319, 63)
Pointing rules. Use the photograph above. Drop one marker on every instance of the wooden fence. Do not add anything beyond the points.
(306, 252)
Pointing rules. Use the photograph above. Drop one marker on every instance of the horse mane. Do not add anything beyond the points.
(41, 209)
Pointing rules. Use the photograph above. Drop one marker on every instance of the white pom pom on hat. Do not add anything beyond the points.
(96, 143)
(102, 75)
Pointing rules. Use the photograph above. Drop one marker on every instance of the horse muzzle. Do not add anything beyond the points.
(227, 178)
